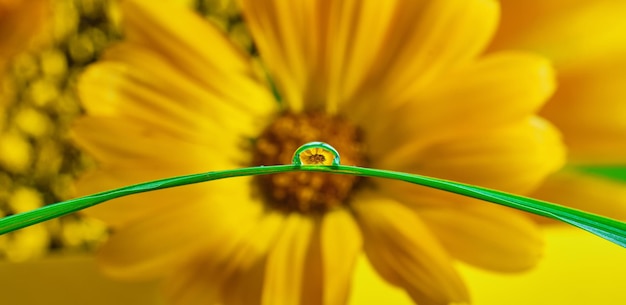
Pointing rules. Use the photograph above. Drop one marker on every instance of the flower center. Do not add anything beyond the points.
(307, 192)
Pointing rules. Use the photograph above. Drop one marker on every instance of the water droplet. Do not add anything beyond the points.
(316, 153)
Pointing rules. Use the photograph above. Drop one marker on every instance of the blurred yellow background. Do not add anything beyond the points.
(52, 263)
(578, 268)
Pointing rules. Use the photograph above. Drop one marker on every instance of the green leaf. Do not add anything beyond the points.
(609, 229)
(611, 172)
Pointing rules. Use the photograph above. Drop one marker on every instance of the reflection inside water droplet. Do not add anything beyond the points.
(316, 153)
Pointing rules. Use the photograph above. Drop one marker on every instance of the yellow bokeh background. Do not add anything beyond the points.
(578, 268)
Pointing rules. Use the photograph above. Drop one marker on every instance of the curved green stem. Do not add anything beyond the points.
(612, 230)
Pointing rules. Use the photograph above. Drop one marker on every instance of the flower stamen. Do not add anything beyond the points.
(308, 192)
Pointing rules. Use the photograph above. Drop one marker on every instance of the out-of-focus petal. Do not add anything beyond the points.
(313, 271)
(197, 283)
(234, 274)
(20, 22)
(144, 88)
(152, 246)
(200, 51)
(512, 158)
(335, 245)
(578, 268)
(119, 166)
(285, 263)
(585, 192)
(486, 235)
(100, 137)
(329, 55)
(341, 243)
(495, 91)
(564, 30)
(404, 251)
(590, 109)
(245, 288)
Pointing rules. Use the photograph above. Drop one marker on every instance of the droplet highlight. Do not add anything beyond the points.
(316, 153)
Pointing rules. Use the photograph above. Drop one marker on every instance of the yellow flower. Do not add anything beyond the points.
(585, 40)
(20, 21)
(395, 84)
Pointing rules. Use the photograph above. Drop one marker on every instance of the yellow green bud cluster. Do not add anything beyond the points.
(38, 104)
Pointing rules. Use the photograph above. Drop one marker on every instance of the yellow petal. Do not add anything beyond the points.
(589, 108)
(118, 143)
(341, 244)
(370, 288)
(128, 209)
(329, 55)
(242, 252)
(486, 235)
(314, 272)
(130, 154)
(578, 268)
(555, 28)
(154, 245)
(494, 91)
(142, 86)
(513, 158)
(404, 251)
(449, 34)
(20, 22)
(588, 105)
(195, 283)
(228, 196)
(585, 192)
(196, 48)
(285, 263)
(233, 274)
(244, 288)
(199, 91)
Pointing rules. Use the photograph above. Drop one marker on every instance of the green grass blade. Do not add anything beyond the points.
(609, 229)
(612, 230)
(617, 173)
